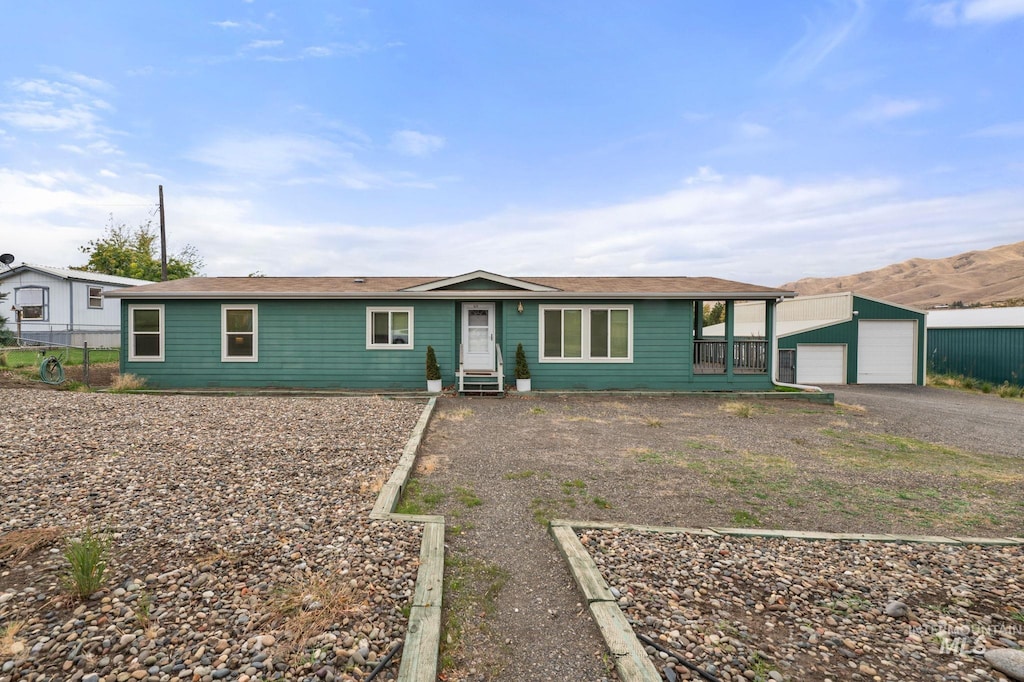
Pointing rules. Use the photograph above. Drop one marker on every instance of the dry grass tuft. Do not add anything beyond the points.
(18, 544)
(738, 408)
(426, 465)
(847, 407)
(309, 608)
(456, 415)
(10, 645)
(127, 382)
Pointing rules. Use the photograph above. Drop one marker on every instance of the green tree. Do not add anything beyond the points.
(714, 314)
(128, 252)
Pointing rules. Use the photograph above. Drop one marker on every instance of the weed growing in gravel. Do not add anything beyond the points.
(573, 486)
(143, 608)
(745, 519)
(1017, 615)
(471, 589)
(740, 409)
(602, 503)
(652, 422)
(10, 645)
(18, 544)
(308, 608)
(87, 562)
(543, 510)
(123, 383)
(416, 500)
(518, 475)
(537, 410)
(760, 668)
(467, 497)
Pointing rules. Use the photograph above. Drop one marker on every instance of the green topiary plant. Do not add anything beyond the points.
(522, 369)
(433, 369)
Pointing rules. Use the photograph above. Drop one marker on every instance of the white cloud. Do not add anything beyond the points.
(61, 107)
(821, 38)
(753, 229)
(704, 174)
(957, 12)
(227, 24)
(753, 131)
(263, 44)
(887, 109)
(106, 173)
(271, 155)
(414, 143)
(1012, 129)
(993, 10)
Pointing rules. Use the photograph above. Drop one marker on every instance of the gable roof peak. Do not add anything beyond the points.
(513, 282)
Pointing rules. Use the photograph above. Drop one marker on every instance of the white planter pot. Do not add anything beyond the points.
(523, 385)
(434, 385)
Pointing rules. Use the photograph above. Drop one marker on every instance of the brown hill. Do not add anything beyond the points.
(973, 277)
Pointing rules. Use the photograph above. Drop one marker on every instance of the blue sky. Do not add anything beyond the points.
(756, 141)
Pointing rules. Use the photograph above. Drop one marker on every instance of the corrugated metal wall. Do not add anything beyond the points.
(995, 355)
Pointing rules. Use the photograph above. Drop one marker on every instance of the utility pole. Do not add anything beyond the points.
(163, 239)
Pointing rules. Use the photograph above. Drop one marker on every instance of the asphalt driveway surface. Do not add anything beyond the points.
(969, 421)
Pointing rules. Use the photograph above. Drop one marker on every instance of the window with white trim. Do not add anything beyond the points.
(239, 333)
(34, 303)
(146, 333)
(586, 333)
(389, 328)
(95, 297)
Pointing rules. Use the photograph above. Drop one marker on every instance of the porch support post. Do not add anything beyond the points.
(730, 306)
(698, 320)
(769, 338)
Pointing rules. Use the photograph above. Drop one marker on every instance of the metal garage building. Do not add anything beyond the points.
(844, 338)
(984, 343)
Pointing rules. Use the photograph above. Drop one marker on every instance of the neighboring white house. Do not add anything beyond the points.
(62, 306)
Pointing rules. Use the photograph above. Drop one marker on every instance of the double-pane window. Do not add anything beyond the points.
(586, 333)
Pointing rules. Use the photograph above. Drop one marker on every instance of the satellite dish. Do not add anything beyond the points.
(6, 259)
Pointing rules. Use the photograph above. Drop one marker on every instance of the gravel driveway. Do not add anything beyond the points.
(869, 466)
(971, 421)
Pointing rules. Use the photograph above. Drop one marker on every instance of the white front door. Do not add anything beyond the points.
(478, 336)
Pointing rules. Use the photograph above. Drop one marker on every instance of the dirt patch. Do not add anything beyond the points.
(691, 462)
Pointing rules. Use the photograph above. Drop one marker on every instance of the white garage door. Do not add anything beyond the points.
(885, 351)
(820, 363)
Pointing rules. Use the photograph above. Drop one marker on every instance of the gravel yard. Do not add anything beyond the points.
(742, 608)
(238, 524)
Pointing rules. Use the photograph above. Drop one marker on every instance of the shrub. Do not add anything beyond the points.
(433, 369)
(87, 562)
(522, 368)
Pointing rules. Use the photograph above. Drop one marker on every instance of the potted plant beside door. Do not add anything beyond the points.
(433, 372)
(522, 371)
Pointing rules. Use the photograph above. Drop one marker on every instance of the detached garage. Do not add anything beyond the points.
(844, 339)
(984, 343)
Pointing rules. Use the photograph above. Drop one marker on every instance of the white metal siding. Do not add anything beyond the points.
(823, 363)
(885, 351)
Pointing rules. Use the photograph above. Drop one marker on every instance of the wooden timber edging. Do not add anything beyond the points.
(423, 634)
(630, 657)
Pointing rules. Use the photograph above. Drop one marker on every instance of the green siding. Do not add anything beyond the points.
(302, 343)
(846, 332)
(995, 355)
(662, 352)
(322, 344)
